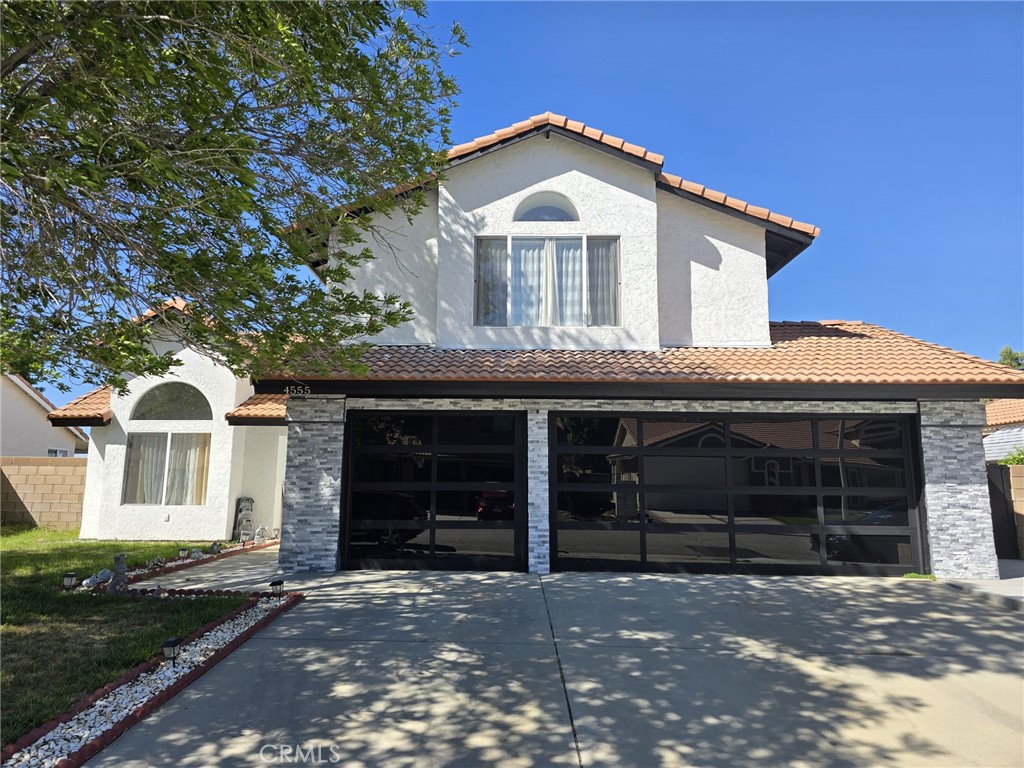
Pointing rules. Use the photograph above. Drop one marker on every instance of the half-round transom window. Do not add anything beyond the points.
(546, 206)
(174, 401)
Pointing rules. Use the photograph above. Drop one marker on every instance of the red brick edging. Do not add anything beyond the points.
(146, 709)
(182, 566)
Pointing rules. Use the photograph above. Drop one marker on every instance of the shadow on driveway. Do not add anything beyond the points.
(457, 669)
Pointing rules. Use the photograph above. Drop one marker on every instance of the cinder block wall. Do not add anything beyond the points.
(47, 492)
(1017, 497)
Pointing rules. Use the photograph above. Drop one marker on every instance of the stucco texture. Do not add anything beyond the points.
(230, 475)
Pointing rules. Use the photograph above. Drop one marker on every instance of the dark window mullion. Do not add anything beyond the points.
(822, 543)
(641, 497)
(435, 429)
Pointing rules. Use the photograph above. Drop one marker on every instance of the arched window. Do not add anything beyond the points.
(546, 206)
(168, 468)
(174, 401)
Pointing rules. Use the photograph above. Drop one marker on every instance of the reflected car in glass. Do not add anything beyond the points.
(868, 549)
(372, 511)
(495, 505)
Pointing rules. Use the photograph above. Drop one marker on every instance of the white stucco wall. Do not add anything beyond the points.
(712, 278)
(103, 514)
(703, 270)
(262, 477)
(405, 264)
(24, 430)
(613, 198)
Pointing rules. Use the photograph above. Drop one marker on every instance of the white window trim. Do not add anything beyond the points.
(167, 465)
(57, 453)
(548, 266)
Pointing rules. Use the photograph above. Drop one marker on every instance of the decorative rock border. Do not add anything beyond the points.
(142, 574)
(74, 737)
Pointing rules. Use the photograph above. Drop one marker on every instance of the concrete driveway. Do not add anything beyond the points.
(454, 669)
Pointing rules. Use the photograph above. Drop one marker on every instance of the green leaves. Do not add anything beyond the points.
(157, 149)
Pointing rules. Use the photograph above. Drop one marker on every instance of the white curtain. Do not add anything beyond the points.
(491, 282)
(566, 291)
(144, 468)
(527, 280)
(603, 280)
(186, 469)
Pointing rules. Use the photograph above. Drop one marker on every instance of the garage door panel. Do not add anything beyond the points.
(765, 483)
(443, 494)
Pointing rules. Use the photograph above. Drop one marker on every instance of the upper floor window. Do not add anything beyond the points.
(547, 281)
(173, 401)
(546, 206)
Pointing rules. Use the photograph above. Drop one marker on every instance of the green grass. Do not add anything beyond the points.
(925, 576)
(58, 647)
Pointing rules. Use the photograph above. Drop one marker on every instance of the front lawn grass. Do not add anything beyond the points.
(58, 647)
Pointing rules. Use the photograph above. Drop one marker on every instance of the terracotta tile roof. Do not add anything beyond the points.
(269, 408)
(558, 121)
(91, 409)
(829, 352)
(668, 179)
(1004, 411)
(742, 206)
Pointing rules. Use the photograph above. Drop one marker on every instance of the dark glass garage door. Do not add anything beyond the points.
(434, 490)
(733, 494)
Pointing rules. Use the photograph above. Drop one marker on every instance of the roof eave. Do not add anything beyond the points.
(547, 130)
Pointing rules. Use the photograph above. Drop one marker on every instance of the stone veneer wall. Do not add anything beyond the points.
(310, 524)
(958, 516)
(45, 491)
(311, 514)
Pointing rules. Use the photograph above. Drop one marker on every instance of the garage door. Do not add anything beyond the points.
(733, 494)
(434, 490)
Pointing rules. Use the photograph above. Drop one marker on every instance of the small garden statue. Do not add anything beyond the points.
(119, 581)
(156, 562)
(196, 555)
(260, 536)
(215, 548)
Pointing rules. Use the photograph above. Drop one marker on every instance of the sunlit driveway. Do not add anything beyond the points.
(448, 669)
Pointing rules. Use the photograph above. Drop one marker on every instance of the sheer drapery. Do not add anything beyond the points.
(149, 471)
(145, 461)
(186, 469)
(550, 281)
(491, 282)
(603, 280)
(527, 280)
(566, 291)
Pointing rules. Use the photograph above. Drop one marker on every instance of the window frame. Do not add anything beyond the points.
(57, 453)
(167, 467)
(549, 253)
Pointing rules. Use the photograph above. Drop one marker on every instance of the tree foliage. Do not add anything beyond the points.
(1014, 457)
(156, 150)
(1007, 356)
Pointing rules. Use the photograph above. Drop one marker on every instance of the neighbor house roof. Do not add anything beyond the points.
(819, 353)
(1004, 411)
(80, 438)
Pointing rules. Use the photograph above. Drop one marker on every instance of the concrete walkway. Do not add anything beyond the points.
(483, 669)
(1007, 590)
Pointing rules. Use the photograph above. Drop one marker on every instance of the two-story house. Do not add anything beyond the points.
(590, 381)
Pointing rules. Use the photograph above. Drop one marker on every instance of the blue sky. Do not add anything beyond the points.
(897, 128)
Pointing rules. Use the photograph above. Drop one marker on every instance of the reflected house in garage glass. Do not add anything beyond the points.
(589, 381)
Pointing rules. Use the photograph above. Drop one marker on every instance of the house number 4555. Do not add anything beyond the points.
(297, 390)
